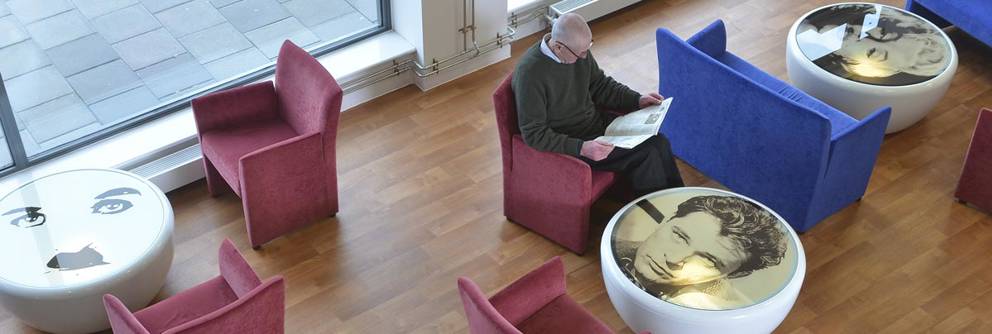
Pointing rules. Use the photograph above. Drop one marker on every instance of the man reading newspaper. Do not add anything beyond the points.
(557, 85)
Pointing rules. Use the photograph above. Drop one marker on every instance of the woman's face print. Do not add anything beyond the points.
(30, 216)
(114, 201)
(901, 49)
(885, 53)
(77, 224)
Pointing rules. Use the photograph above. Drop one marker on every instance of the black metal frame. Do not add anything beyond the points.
(22, 161)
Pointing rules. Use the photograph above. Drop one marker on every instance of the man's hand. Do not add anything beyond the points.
(650, 100)
(595, 150)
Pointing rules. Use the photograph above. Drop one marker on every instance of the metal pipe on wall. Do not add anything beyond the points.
(436, 66)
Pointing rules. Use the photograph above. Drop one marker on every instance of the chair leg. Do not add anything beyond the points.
(216, 184)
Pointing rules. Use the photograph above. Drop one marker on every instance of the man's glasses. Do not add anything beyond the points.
(573, 52)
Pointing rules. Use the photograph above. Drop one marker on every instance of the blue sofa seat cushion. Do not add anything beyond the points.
(839, 121)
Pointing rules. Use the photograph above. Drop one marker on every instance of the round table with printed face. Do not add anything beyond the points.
(71, 237)
(701, 260)
(859, 57)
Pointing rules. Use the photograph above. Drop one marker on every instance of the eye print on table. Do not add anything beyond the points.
(84, 258)
(108, 202)
(30, 216)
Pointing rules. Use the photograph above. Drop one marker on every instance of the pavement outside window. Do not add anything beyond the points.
(74, 67)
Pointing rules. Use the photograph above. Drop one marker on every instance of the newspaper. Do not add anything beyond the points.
(634, 128)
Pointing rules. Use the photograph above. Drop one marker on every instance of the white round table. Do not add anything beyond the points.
(70, 237)
(859, 57)
(701, 260)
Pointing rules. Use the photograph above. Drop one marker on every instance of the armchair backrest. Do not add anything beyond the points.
(235, 269)
(516, 302)
(530, 293)
(122, 321)
(309, 97)
(979, 155)
(482, 316)
(506, 119)
(982, 139)
(310, 101)
(261, 310)
(720, 112)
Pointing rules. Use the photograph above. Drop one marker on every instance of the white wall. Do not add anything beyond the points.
(407, 21)
(431, 26)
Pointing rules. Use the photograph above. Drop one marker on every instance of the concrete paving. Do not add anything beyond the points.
(73, 67)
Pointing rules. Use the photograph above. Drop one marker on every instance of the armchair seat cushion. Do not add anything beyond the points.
(186, 306)
(601, 181)
(225, 148)
(563, 315)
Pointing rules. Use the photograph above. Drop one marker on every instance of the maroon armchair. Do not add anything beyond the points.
(535, 303)
(975, 185)
(549, 193)
(273, 145)
(237, 301)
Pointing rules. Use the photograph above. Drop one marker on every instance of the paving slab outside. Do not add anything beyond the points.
(73, 67)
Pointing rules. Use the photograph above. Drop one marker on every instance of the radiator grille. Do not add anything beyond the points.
(566, 6)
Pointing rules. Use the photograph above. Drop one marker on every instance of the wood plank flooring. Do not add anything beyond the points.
(420, 187)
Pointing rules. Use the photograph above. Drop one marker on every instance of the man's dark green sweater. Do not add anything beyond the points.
(556, 103)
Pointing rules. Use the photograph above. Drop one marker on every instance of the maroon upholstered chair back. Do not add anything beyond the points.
(981, 141)
(975, 185)
(236, 270)
(310, 101)
(309, 97)
(482, 316)
(259, 307)
(506, 119)
(261, 310)
(530, 293)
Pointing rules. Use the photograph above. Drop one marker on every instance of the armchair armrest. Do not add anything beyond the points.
(291, 169)
(253, 102)
(530, 293)
(712, 40)
(235, 270)
(122, 321)
(261, 310)
(568, 176)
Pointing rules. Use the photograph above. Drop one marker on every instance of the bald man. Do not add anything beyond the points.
(558, 87)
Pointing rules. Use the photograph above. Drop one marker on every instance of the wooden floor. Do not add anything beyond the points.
(420, 187)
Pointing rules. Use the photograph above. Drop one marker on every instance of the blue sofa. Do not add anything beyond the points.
(759, 136)
(972, 16)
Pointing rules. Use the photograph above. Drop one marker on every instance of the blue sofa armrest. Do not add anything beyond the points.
(853, 153)
(712, 40)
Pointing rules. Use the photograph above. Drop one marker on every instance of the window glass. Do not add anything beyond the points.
(73, 68)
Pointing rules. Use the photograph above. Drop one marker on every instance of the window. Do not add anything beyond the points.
(76, 71)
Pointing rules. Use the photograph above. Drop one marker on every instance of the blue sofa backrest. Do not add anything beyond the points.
(734, 129)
